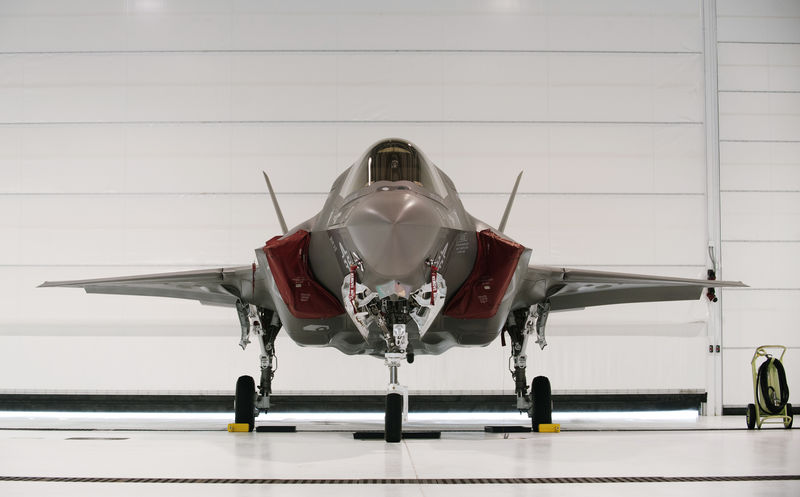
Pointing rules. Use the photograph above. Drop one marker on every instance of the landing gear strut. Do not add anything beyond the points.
(521, 324)
(265, 325)
(392, 321)
(395, 401)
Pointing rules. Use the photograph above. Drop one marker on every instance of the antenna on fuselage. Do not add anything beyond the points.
(275, 204)
(503, 221)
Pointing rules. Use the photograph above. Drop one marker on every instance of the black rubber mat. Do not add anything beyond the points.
(408, 481)
(344, 403)
(507, 429)
(379, 435)
(276, 429)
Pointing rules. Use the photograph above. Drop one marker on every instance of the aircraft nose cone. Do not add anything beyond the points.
(394, 232)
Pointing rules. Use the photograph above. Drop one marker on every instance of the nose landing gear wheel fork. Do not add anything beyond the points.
(542, 402)
(245, 401)
(393, 429)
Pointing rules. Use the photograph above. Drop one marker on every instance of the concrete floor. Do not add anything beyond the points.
(107, 449)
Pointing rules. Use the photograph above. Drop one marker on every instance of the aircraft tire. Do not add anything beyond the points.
(750, 416)
(245, 401)
(393, 429)
(788, 424)
(542, 402)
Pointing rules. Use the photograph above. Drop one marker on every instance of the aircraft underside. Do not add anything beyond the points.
(423, 307)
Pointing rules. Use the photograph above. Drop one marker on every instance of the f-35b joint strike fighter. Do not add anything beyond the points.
(393, 266)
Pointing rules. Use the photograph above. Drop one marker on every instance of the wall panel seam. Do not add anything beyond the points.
(350, 51)
(344, 122)
(760, 91)
(734, 42)
(760, 191)
(320, 193)
(722, 140)
(764, 289)
(790, 347)
(212, 265)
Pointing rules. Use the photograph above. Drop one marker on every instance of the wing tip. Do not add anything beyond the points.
(53, 284)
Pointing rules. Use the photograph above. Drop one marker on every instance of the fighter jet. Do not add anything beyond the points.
(393, 266)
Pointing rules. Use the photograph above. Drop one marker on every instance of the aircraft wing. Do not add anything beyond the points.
(578, 288)
(221, 287)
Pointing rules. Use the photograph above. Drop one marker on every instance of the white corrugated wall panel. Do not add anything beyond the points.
(198, 158)
(760, 166)
(132, 140)
(761, 216)
(761, 317)
(759, 80)
(769, 21)
(353, 25)
(759, 116)
(314, 86)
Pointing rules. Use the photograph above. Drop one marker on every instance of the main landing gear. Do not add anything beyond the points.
(522, 324)
(265, 325)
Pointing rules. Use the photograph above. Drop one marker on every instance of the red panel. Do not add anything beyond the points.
(288, 261)
(480, 295)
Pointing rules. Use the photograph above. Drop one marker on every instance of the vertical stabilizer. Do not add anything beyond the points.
(278, 208)
(503, 221)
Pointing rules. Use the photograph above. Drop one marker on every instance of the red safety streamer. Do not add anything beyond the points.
(353, 287)
(434, 270)
(254, 280)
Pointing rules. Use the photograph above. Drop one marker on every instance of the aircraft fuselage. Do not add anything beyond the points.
(397, 241)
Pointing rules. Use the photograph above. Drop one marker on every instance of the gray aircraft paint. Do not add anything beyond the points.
(394, 227)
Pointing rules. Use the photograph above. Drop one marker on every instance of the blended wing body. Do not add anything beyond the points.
(393, 244)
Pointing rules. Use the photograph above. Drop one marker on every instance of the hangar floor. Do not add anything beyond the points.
(595, 454)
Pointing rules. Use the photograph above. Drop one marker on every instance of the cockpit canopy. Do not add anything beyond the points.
(393, 160)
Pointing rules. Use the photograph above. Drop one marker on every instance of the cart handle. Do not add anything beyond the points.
(761, 352)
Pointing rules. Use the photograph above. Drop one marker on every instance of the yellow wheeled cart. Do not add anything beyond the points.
(770, 391)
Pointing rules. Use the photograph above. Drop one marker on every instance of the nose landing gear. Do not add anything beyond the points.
(396, 394)
(396, 401)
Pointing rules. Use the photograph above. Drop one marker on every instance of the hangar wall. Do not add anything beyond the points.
(759, 122)
(133, 133)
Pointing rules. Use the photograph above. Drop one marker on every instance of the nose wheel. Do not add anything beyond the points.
(393, 425)
(396, 400)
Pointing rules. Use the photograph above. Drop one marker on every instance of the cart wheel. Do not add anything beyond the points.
(788, 424)
(751, 416)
